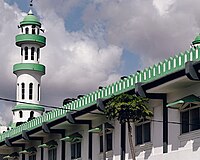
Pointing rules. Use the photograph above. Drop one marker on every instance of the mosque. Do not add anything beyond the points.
(75, 130)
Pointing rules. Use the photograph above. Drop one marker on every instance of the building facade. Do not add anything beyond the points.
(75, 130)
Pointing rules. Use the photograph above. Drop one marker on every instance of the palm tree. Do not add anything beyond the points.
(128, 108)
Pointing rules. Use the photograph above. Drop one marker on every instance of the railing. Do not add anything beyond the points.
(149, 74)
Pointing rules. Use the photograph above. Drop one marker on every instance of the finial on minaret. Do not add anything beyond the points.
(31, 3)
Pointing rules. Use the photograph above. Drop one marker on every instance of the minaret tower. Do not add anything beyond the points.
(29, 71)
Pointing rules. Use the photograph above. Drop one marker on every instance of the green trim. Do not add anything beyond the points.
(188, 99)
(28, 107)
(95, 130)
(30, 38)
(29, 66)
(49, 144)
(30, 19)
(76, 137)
(30, 150)
(155, 72)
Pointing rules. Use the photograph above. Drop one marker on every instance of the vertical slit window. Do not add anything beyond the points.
(26, 30)
(38, 54)
(31, 114)
(38, 95)
(21, 51)
(38, 31)
(17, 90)
(26, 53)
(32, 53)
(31, 91)
(33, 29)
(20, 114)
(23, 90)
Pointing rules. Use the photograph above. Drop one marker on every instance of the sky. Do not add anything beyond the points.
(92, 43)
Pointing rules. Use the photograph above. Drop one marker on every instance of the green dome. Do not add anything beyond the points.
(30, 19)
(197, 40)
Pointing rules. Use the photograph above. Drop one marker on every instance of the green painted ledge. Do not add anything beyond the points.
(29, 66)
(28, 107)
(33, 38)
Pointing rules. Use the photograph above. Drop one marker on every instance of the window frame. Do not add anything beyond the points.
(52, 151)
(32, 157)
(106, 139)
(189, 108)
(141, 124)
(76, 148)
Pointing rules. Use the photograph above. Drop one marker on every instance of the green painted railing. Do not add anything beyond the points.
(148, 74)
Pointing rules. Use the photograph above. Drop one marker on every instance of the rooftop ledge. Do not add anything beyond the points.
(152, 73)
(30, 38)
(29, 66)
(28, 107)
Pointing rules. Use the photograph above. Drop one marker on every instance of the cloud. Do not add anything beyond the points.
(154, 30)
(76, 63)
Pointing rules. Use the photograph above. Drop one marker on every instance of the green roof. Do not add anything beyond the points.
(28, 107)
(30, 19)
(188, 99)
(197, 40)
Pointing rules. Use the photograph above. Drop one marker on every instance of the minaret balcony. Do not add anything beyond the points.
(30, 38)
(29, 67)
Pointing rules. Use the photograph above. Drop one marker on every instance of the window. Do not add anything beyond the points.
(26, 53)
(31, 91)
(20, 114)
(33, 29)
(108, 142)
(21, 51)
(26, 30)
(76, 150)
(17, 90)
(143, 133)
(32, 53)
(38, 54)
(52, 154)
(23, 90)
(32, 157)
(38, 96)
(31, 114)
(38, 31)
(190, 118)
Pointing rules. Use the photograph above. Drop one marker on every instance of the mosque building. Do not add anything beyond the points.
(80, 131)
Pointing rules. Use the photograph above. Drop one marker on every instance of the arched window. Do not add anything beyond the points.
(38, 96)
(23, 90)
(21, 51)
(26, 53)
(31, 91)
(31, 114)
(20, 114)
(26, 30)
(32, 53)
(33, 29)
(38, 54)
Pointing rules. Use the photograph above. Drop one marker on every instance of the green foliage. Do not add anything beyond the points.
(126, 107)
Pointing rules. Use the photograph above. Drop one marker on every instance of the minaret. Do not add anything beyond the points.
(29, 71)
